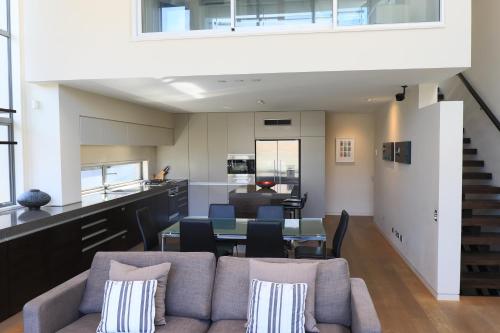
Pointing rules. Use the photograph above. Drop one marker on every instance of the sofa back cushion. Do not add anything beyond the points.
(189, 285)
(333, 290)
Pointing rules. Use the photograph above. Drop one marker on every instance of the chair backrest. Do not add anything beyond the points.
(295, 191)
(265, 239)
(339, 234)
(197, 236)
(148, 229)
(270, 212)
(303, 201)
(221, 211)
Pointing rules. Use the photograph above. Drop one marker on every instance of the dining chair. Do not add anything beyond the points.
(294, 205)
(197, 235)
(221, 211)
(265, 240)
(309, 252)
(148, 229)
(270, 212)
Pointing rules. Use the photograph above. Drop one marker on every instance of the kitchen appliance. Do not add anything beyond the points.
(266, 184)
(173, 204)
(241, 169)
(278, 161)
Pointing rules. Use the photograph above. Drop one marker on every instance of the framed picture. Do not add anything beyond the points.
(345, 150)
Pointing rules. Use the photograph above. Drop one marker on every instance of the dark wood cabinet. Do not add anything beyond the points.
(32, 264)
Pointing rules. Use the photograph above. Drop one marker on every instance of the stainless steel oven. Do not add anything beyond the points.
(241, 169)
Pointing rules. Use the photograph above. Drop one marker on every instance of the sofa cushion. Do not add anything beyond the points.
(333, 304)
(189, 287)
(88, 323)
(333, 328)
(238, 326)
(228, 326)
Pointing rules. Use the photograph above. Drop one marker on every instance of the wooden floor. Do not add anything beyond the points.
(402, 301)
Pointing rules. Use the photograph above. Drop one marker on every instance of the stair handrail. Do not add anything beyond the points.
(479, 100)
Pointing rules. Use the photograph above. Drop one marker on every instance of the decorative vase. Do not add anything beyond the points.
(34, 199)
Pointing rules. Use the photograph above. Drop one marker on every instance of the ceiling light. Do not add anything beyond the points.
(370, 100)
(167, 80)
(261, 102)
(401, 96)
(256, 80)
(189, 88)
(222, 81)
(227, 107)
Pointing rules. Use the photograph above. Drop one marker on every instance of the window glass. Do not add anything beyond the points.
(91, 178)
(4, 76)
(5, 192)
(3, 15)
(185, 15)
(122, 173)
(364, 12)
(251, 13)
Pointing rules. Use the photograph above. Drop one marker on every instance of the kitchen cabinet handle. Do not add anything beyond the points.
(90, 225)
(105, 240)
(92, 235)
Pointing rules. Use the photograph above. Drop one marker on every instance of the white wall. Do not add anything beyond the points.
(92, 39)
(406, 196)
(349, 186)
(52, 135)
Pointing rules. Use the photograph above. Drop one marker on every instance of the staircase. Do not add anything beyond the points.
(480, 228)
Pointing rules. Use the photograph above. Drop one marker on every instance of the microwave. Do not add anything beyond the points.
(241, 164)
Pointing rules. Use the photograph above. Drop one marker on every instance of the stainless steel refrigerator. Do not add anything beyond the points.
(278, 161)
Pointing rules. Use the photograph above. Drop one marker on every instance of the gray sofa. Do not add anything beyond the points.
(202, 296)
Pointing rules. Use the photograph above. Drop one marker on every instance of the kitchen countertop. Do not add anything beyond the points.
(22, 221)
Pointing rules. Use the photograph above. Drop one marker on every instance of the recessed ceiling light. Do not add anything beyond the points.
(261, 102)
(167, 80)
(240, 81)
(256, 80)
(370, 100)
(189, 88)
(222, 81)
(227, 107)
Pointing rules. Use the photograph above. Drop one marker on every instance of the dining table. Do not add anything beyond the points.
(305, 229)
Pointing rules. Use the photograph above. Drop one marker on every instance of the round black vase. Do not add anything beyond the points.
(33, 199)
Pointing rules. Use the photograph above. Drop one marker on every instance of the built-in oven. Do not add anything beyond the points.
(241, 169)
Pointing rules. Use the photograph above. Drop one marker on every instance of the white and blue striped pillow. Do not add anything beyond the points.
(128, 306)
(277, 307)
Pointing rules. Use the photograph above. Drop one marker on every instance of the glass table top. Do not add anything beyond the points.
(293, 229)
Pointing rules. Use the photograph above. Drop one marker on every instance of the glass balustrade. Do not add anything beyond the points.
(190, 15)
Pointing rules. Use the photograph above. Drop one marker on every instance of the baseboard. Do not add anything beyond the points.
(439, 297)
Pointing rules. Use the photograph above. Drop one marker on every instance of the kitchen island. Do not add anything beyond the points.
(246, 199)
(41, 249)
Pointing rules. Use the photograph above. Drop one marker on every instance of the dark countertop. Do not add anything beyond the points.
(21, 221)
(257, 190)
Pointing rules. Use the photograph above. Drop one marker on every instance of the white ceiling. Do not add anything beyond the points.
(328, 91)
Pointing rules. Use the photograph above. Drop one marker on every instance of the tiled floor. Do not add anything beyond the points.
(402, 301)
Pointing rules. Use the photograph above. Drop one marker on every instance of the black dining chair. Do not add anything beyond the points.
(309, 252)
(197, 235)
(221, 211)
(265, 240)
(295, 205)
(270, 212)
(148, 229)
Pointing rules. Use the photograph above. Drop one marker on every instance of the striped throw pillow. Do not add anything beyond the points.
(128, 306)
(276, 307)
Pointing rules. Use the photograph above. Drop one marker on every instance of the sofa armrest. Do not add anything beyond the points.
(364, 316)
(55, 309)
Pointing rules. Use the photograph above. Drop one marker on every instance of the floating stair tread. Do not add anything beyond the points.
(473, 163)
(477, 175)
(481, 220)
(470, 151)
(481, 189)
(467, 141)
(482, 238)
(481, 258)
(481, 204)
(480, 280)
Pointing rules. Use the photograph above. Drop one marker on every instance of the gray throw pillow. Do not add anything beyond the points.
(122, 272)
(290, 273)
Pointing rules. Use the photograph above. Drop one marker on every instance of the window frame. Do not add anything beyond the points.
(138, 35)
(104, 175)
(9, 121)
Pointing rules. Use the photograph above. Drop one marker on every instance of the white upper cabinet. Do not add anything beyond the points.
(312, 123)
(277, 125)
(95, 131)
(240, 133)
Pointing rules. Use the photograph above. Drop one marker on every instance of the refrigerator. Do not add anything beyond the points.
(278, 161)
